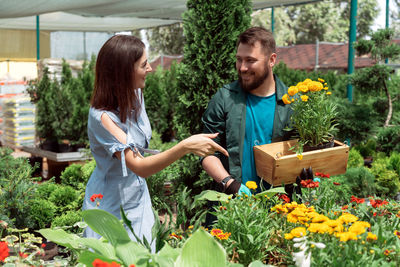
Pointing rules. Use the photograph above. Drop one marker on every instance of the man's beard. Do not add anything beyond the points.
(258, 80)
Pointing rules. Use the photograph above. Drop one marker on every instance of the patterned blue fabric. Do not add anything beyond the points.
(111, 178)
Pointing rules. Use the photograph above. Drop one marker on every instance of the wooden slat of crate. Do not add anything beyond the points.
(277, 165)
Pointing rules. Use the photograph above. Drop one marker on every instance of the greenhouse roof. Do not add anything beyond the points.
(102, 15)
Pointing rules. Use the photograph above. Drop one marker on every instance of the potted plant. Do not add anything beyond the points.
(313, 120)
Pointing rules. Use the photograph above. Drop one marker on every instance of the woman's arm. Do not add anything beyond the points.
(200, 144)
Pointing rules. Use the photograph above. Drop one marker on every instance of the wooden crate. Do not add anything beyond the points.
(277, 165)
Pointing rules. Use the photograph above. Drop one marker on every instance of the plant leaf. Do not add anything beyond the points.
(201, 249)
(106, 225)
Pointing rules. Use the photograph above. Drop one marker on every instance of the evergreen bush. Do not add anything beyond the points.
(68, 220)
(41, 213)
(211, 29)
(361, 181)
(161, 99)
(64, 198)
(387, 180)
(388, 139)
(355, 159)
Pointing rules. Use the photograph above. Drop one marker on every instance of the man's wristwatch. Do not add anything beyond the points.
(225, 181)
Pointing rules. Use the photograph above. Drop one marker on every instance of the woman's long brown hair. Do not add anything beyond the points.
(114, 81)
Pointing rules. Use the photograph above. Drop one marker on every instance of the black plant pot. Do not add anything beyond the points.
(329, 144)
(49, 145)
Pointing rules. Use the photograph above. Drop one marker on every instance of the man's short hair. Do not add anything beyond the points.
(258, 34)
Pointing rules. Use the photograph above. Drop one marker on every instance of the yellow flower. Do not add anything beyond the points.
(288, 236)
(347, 218)
(298, 232)
(356, 228)
(251, 185)
(304, 98)
(315, 86)
(285, 99)
(320, 218)
(371, 236)
(300, 157)
(303, 88)
(319, 228)
(321, 80)
(326, 88)
(293, 90)
(345, 236)
(328, 93)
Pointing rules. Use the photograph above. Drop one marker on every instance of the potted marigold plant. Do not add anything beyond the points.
(313, 120)
(313, 115)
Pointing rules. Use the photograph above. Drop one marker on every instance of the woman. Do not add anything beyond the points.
(119, 133)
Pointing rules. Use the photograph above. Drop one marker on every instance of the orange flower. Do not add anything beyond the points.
(173, 235)
(22, 255)
(378, 202)
(309, 183)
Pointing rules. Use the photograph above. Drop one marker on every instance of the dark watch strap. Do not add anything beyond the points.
(225, 181)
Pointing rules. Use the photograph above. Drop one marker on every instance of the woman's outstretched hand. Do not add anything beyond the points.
(203, 145)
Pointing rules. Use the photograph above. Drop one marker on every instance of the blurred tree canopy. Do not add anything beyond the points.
(326, 21)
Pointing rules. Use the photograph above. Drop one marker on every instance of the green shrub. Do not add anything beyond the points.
(361, 181)
(68, 220)
(42, 213)
(170, 174)
(45, 189)
(367, 149)
(17, 189)
(88, 169)
(387, 180)
(65, 198)
(73, 176)
(394, 162)
(161, 99)
(388, 139)
(355, 159)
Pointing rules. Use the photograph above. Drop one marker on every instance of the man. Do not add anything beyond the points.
(246, 113)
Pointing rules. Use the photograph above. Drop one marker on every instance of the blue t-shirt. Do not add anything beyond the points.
(259, 124)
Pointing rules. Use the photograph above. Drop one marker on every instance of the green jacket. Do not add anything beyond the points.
(226, 115)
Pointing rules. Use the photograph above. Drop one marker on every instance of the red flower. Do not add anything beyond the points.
(309, 183)
(94, 196)
(100, 263)
(335, 183)
(322, 175)
(43, 245)
(22, 255)
(132, 265)
(345, 207)
(357, 200)
(4, 251)
(284, 197)
(377, 203)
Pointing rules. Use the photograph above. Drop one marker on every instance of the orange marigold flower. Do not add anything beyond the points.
(387, 252)
(285, 99)
(293, 90)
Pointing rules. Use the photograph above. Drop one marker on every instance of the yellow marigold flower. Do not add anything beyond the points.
(293, 90)
(326, 88)
(307, 80)
(372, 251)
(251, 185)
(285, 99)
(319, 228)
(298, 213)
(320, 218)
(312, 214)
(288, 236)
(300, 157)
(347, 218)
(358, 229)
(328, 93)
(302, 220)
(299, 84)
(190, 227)
(325, 84)
(298, 232)
(321, 80)
(371, 236)
(303, 88)
(291, 218)
(304, 98)
(345, 236)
